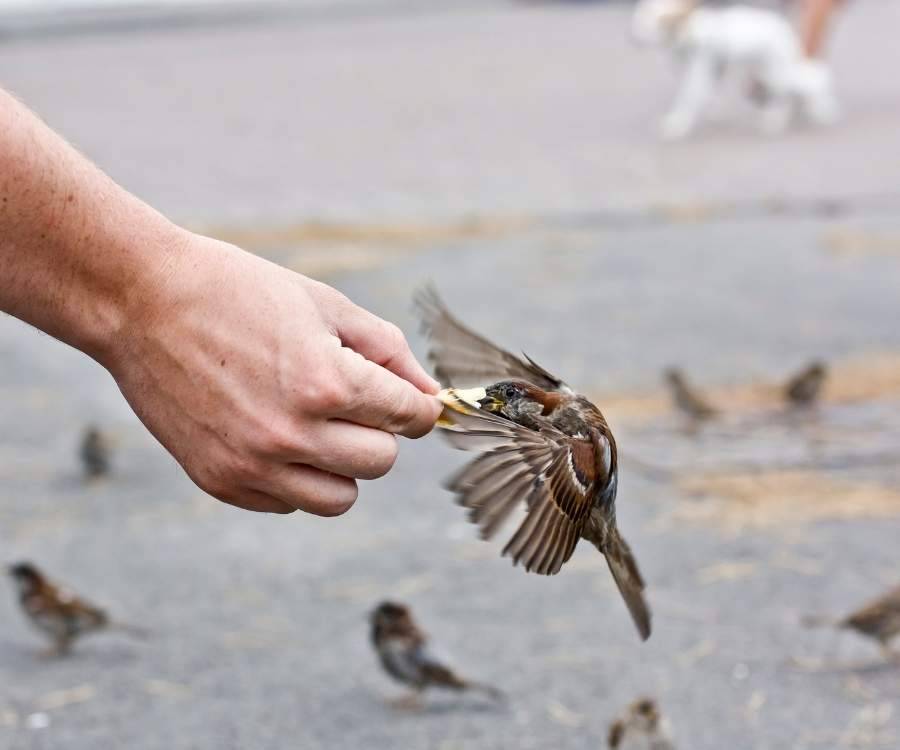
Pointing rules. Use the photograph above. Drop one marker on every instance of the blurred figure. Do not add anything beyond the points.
(641, 728)
(759, 41)
(804, 388)
(814, 23)
(94, 452)
(401, 648)
(879, 620)
(59, 615)
(685, 398)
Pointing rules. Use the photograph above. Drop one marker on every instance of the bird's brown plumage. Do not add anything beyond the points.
(60, 615)
(878, 619)
(805, 387)
(544, 447)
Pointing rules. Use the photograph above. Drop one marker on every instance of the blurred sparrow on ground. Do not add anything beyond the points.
(94, 453)
(543, 447)
(402, 649)
(879, 620)
(805, 387)
(58, 614)
(641, 728)
(685, 398)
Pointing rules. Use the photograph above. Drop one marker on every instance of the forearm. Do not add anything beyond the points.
(79, 254)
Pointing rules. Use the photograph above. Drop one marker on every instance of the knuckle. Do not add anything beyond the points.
(400, 412)
(325, 395)
(395, 341)
(277, 438)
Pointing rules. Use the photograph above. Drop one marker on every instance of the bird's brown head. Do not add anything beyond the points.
(645, 714)
(817, 369)
(514, 399)
(26, 575)
(390, 616)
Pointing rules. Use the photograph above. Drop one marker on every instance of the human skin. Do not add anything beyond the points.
(273, 391)
(814, 25)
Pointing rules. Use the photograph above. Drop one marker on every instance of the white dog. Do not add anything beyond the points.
(759, 41)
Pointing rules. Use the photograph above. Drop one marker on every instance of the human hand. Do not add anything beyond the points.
(273, 391)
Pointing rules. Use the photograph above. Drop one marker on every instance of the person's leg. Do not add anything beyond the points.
(814, 22)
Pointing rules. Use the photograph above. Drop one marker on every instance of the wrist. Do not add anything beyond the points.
(146, 290)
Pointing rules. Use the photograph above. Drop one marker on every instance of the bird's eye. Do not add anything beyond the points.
(510, 391)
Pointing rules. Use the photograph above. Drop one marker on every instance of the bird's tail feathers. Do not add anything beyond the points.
(495, 694)
(628, 578)
(134, 631)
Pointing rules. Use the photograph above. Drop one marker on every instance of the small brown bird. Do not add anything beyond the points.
(879, 620)
(641, 728)
(685, 398)
(55, 612)
(542, 446)
(804, 388)
(402, 648)
(94, 452)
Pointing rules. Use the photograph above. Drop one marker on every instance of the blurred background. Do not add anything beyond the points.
(509, 152)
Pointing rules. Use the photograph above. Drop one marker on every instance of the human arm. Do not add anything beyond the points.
(273, 391)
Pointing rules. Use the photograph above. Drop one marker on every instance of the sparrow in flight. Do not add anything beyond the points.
(685, 398)
(402, 649)
(59, 615)
(543, 447)
(804, 388)
(879, 620)
(641, 728)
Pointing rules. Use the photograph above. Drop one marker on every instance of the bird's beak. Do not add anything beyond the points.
(490, 404)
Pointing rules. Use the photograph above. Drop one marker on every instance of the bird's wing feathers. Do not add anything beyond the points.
(551, 473)
(463, 358)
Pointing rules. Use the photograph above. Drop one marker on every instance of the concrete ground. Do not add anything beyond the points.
(509, 155)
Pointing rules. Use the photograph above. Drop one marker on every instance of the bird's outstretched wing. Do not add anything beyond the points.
(549, 473)
(463, 358)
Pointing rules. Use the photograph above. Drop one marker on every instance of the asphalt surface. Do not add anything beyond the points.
(606, 256)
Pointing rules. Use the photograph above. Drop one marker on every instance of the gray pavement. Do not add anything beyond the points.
(544, 115)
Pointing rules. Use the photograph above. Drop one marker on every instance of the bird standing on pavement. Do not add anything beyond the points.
(542, 446)
(879, 620)
(641, 728)
(59, 615)
(402, 649)
(685, 398)
(804, 388)
(94, 452)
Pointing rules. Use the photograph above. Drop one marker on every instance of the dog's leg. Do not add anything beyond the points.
(818, 98)
(696, 87)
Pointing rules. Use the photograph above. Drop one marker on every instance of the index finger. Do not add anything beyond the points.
(379, 341)
(384, 400)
